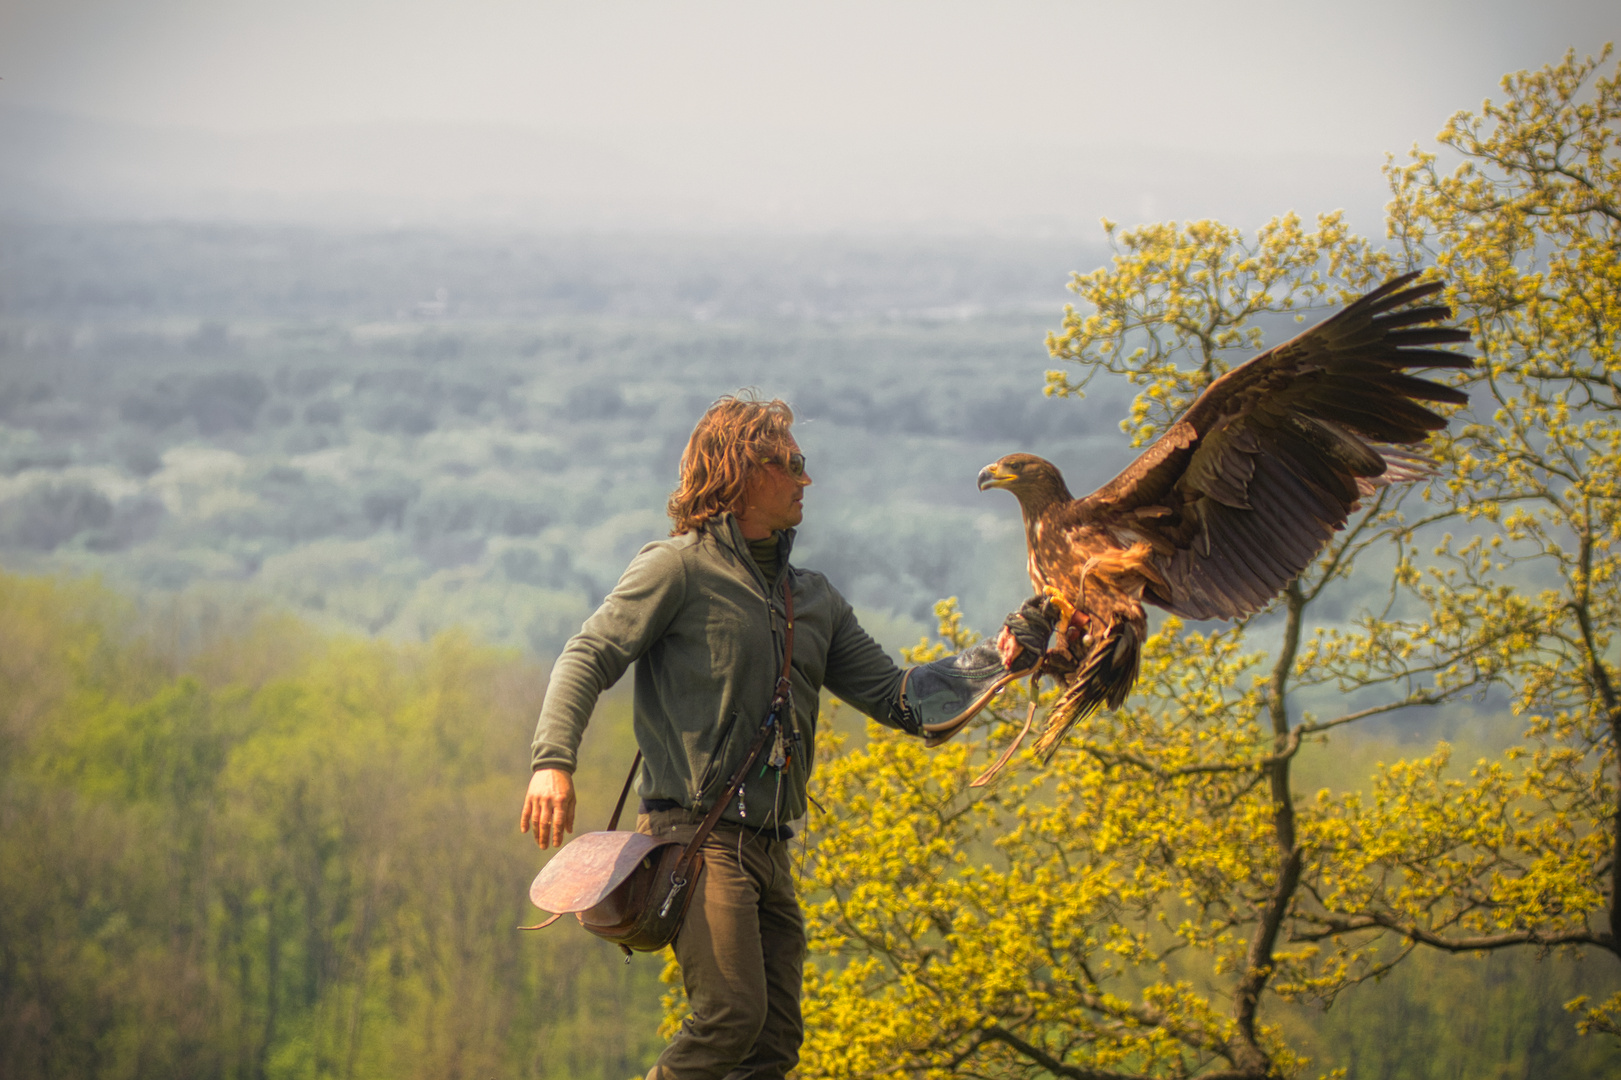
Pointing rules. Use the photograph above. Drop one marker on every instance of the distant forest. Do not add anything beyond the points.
(396, 433)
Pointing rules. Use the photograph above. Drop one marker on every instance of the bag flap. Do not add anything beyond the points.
(588, 868)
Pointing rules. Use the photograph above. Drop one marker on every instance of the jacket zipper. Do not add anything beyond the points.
(776, 623)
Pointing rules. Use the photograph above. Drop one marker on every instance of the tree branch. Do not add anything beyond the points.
(1315, 726)
(1258, 963)
(998, 1033)
(1479, 943)
(1121, 757)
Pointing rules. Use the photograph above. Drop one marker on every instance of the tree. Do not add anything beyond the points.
(1162, 899)
(1527, 231)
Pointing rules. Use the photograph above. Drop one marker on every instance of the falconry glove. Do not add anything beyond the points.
(1031, 626)
(935, 692)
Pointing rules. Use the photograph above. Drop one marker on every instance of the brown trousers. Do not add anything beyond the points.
(742, 955)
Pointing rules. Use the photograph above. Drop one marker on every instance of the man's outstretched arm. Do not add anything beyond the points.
(950, 687)
(933, 692)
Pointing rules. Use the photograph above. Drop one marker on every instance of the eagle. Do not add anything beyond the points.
(1236, 498)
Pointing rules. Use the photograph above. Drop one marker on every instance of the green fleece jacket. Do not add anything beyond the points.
(705, 631)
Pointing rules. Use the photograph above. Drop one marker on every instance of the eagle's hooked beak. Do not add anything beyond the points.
(994, 475)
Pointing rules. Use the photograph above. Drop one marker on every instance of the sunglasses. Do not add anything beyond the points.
(795, 464)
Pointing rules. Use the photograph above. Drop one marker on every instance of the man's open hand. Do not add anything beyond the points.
(548, 807)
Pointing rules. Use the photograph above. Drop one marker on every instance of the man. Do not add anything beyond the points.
(701, 616)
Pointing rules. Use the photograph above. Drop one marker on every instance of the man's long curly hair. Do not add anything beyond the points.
(726, 446)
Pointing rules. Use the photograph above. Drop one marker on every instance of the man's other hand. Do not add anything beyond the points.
(548, 808)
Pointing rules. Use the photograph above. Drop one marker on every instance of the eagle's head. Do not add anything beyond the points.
(1036, 481)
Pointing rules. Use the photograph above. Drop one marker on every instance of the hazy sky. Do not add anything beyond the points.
(834, 112)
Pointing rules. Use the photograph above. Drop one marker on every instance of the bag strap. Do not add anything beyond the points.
(779, 700)
(613, 822)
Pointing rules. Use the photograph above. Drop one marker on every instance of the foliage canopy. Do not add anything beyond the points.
(280, 856)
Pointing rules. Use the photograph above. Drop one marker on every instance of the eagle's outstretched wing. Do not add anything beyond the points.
(1240, 494)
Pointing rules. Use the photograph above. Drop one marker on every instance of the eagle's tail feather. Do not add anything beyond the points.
(1105, 678)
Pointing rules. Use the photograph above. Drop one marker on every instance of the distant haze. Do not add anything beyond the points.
(1026, 118)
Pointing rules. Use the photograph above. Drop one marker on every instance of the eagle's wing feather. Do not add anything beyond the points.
(1242, 492)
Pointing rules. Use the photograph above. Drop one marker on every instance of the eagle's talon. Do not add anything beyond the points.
(1059, 662)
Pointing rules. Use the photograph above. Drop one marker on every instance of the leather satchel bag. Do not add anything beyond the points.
(625, 887)
(630, 888)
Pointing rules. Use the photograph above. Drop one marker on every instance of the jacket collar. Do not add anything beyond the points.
(729, 534)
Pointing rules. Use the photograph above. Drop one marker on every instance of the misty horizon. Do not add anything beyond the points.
(1028, 120)
(461, 175)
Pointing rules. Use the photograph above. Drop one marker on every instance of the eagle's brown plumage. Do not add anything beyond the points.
(1233, 501)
